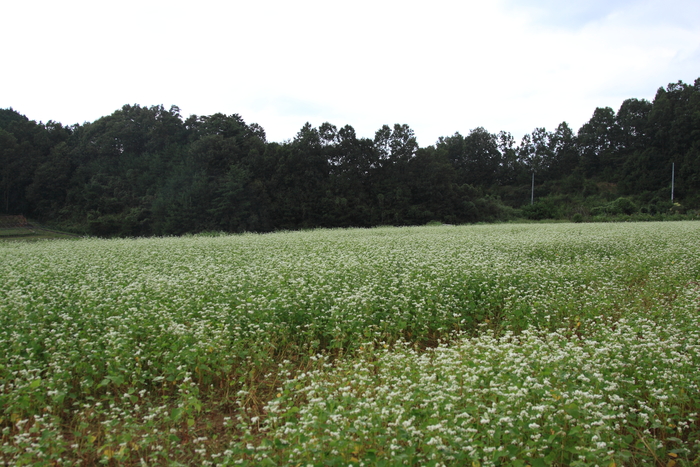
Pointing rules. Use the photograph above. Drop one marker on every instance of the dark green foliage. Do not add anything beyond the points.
(617, 207)
(539, 211)
(146, 171)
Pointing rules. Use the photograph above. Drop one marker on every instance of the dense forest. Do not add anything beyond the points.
(148, 171)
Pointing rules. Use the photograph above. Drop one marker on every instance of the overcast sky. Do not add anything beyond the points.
(438, 66)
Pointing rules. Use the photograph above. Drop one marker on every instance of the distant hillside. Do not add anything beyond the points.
(149, 171)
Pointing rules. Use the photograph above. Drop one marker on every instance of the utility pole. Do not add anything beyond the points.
(673, 177)
(532, 192)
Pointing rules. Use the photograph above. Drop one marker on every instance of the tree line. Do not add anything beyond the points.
(149, 171)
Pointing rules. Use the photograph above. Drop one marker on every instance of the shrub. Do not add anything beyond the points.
(539, 211)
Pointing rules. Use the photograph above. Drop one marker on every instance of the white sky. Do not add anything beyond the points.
(438, 66)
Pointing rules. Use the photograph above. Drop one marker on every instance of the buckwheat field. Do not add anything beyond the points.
(530, 344)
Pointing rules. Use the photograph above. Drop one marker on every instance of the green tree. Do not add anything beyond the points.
(476, 157)
(8, 168)
(301, 181)
(50, 183)
(566, 156)
(231, 204)
(598, 142)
